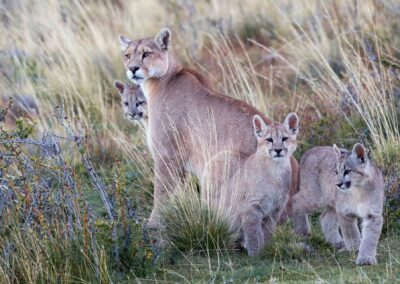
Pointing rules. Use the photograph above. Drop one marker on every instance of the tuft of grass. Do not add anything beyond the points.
(192, 225)
(285, 245)
(32, 258)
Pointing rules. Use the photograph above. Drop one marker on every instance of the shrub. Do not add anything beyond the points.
(49, 230)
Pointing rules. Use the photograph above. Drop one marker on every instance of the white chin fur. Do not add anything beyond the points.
(129, 74)
(278, 159)
(137, 81)
(343, 189)
(140, 73)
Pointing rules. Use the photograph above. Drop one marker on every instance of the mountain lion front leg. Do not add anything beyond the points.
(350, 231)
(371, 231)
(286, 214)
(253, 233)
(300, 211)
(268, 226)
(330, 227)
(169, 175)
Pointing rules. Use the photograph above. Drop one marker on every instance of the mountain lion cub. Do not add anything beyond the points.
(133, 102)
(258, 192)
(344, 185)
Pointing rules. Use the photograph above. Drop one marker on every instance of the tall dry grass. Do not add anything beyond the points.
(346, 62)
(68, 53)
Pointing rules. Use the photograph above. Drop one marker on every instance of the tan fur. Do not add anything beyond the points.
(188, 122)
(344, 186)
(257, 193)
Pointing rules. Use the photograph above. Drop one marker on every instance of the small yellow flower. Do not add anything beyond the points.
(149, 254)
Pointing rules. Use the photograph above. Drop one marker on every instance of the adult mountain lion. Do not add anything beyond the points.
(188, 122)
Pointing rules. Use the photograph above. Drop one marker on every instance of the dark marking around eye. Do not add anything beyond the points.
(346, 172)
(126, 103)
(146, 54)
(284, 139)
(128, 56)
(270, 140)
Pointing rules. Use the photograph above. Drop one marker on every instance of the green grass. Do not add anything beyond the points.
(321, 264)
(191, 225)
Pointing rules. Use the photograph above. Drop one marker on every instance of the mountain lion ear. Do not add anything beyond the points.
(337, 151)
(360, 153)
(259, 126)
(292, 123)
(124, 41)
(119, 86)
(163, 39)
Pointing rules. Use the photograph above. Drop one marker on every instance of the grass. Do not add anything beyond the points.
(190, 225)
(319, 263)
(335, 63)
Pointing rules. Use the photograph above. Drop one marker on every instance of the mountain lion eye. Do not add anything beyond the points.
(270, 140)
(128, 56)
(146, 54)
(284, 139)
(126, 103)
(346, 172)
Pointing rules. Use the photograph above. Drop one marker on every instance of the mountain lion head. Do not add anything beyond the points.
(277, 140)
(146, 58)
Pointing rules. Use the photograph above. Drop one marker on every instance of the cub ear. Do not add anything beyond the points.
(292, 123)
(360, 153)
(124, 41)
(338, 153)
(119, 86)
(259, 126)
(163, 39)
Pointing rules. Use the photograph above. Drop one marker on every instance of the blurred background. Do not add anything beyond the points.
(335, 61)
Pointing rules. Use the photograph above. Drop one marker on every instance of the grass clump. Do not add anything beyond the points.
(285, 245)
(192, 225)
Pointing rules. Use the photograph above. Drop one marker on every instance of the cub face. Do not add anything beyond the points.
(277, 141)
(351, 167)
(146, 58)
(133, 100)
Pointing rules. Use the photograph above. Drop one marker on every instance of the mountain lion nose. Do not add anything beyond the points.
(134, 69)
(278, 151)
(339, 184)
